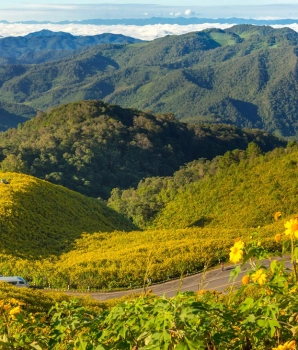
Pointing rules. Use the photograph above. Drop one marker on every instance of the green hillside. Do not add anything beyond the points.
(45, 45)
(38, 218)
(92, 147)
(232, 76)
(241, 195)
(12, 114)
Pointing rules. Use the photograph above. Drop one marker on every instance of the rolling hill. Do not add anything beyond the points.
(39, 218)
(242, 195)
(92, 147)
(232, 76)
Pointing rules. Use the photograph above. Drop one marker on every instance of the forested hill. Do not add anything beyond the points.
(242, 189)
(45, 45)
(11, 114)
(92, 147)
(245, 75)
(246, 194)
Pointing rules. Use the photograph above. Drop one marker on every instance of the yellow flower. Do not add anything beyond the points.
(277, 215)
(236, 253)
(245, 280)
(277, 237)
(202, 291)
(238, 243)
(15, 310)
(259, 277)
(292, 227)
(6, 307)
(289, 345)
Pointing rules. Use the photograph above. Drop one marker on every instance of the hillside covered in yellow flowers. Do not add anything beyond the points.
(38, 218)
(242, 194)
(51, 235)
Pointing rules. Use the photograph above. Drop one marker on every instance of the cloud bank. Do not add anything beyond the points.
(148, 32)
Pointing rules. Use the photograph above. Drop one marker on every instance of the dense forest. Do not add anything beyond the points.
(222, 76)
(45, 45)
(92, 147)
(223, 190)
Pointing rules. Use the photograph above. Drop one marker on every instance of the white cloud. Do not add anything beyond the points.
(178, 14)
(292, 26)
(148, 32)
(188, 12)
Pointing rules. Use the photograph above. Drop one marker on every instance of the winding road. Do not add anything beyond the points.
(215, 279)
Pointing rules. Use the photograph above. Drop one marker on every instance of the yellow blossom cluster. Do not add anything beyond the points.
(236, 253)
(37, 217)
(292, 227)
(289, 345)
(259, 277)
(11, 306)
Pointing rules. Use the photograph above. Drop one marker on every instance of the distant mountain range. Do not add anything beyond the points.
(245, 75)
(45, 45)
(163, 20)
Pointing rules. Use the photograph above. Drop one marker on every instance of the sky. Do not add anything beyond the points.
(59, 10)
(74, 10)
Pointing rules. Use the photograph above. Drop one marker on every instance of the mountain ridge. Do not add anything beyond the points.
(92, 147)
(228, 76)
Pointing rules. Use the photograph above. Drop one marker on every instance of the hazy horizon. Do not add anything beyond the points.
(51, 10)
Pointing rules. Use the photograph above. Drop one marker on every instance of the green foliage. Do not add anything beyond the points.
(12, 114)
(115, 260)
(262, 314)
(144, 204)
(242, 194)
(230, 76)
(92, 147)
(45, 45)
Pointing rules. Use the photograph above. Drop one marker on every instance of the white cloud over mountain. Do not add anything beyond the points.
(148, 32)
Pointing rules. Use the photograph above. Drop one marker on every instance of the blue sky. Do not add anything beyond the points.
(57, 10)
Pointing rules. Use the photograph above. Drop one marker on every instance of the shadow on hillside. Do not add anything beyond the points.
(248, 112)
(202, 222)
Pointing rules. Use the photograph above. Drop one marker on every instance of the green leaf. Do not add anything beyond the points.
(273, 266)
(247, 304)
(234, 273)
(273, 324)
(251, 318)
(35, 346)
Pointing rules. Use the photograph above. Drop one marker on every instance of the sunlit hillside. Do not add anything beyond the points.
(39, 218)
(121, 259)
(241, 195)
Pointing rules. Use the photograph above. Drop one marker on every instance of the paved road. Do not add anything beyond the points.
(213, 280)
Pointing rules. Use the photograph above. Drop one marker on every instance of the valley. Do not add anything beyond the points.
(126, 164)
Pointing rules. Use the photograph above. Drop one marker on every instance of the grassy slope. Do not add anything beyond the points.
(241, 196)
(120, 259)
(38, 218)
